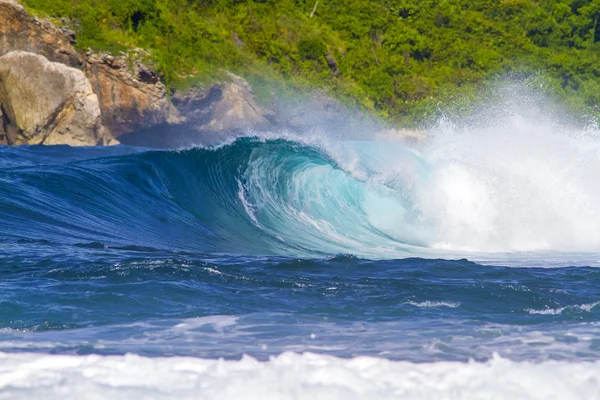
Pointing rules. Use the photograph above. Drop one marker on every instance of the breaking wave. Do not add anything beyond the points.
(515, 186)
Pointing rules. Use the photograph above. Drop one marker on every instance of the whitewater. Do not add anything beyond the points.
(278, 265)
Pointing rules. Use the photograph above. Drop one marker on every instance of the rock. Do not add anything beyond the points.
(145, 73)
(196, 105)
(131, 95)
(21, 31)
(3, 133)
(332, 64)
(45, 102)
(224, 106)
(237, 107)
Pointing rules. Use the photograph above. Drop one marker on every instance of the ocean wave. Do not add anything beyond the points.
(252, 196)
(279, 194)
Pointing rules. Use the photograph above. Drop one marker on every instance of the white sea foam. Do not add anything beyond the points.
(249, 208)
(217, 321)
(524, 185)
(516, 177)
(289, 376)
(213, 271)
(434, 304)
(556, 311)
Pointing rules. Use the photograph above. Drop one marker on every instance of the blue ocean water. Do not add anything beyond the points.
(266, 245)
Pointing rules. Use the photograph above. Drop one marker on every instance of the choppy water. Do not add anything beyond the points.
(475, 246)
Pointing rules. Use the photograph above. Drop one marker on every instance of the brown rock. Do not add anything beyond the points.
(44, 102)
(21, 31)
(130, 94)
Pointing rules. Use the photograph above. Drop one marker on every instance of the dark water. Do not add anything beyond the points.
(258, 247)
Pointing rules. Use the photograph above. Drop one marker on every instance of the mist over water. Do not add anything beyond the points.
(513, 177)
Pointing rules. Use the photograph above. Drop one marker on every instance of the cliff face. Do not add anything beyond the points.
(131, 96)
(52, 94)
(21, 31)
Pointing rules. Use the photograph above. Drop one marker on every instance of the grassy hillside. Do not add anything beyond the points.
(399, 58)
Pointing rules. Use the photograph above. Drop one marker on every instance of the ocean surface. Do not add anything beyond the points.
(275, 266)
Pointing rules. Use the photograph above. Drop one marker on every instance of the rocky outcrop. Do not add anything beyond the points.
(131, 95)
(54, 94)
(21, 31)
(225, 106)
(44, 102)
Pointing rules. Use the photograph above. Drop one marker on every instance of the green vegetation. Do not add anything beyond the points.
(399, 58)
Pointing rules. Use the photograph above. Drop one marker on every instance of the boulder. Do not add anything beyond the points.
(129, 94)
(44, 102)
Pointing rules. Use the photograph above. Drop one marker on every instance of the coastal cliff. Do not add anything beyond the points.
(51, 93)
